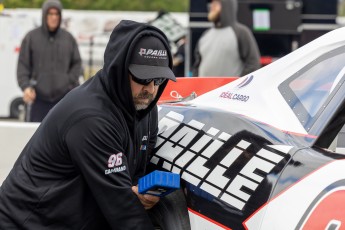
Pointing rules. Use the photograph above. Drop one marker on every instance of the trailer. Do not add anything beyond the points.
(13, 29)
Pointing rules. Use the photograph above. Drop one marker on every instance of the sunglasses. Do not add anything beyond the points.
(156, 81)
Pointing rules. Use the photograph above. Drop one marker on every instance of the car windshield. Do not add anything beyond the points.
(308, 90)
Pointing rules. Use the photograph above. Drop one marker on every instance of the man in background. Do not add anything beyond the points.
(49, 63)
(228, 48)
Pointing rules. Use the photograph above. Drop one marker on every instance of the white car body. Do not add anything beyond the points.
(257, 153)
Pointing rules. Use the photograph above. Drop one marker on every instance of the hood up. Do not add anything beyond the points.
(114, 74)
(45, 7)
(228, 15)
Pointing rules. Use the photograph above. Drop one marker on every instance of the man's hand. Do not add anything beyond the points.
(29, 95)
(148, 201)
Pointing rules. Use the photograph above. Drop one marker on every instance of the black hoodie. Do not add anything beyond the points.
(77, 170)
(50, 59)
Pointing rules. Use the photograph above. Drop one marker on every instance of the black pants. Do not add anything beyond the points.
(171, 213)
(36, 111)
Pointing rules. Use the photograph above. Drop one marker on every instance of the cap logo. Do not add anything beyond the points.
(152, 53)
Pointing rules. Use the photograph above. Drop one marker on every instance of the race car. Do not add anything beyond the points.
(260, 152)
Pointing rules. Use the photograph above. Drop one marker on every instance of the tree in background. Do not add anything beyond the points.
(118, 5)
(341, 8)
(1, 6)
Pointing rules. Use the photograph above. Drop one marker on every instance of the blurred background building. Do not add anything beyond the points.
(279, 27)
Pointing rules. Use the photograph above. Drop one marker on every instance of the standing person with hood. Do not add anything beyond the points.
(227, 49)
(49, 63)
(81, 167)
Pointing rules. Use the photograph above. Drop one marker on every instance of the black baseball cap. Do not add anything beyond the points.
(150, 59)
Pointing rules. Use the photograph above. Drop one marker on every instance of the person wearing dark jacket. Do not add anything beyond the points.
(229, 47)
(179, 58)
(81, 167)
(49, 63)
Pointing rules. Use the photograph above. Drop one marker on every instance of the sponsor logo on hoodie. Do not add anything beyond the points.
(115, 164)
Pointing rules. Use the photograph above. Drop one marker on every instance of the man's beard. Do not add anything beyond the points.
(139, 103)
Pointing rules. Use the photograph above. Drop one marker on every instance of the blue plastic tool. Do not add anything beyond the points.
(159, 183)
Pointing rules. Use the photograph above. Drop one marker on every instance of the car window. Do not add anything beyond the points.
(308, 90)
